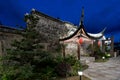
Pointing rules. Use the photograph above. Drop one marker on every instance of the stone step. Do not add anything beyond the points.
(87, 60)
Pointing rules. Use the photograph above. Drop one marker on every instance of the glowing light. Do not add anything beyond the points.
(81, 40)
(99, 43)
(80, 73)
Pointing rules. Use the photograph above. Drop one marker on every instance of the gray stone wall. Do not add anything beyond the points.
(71, 48)
(49, 28)
(6, 39)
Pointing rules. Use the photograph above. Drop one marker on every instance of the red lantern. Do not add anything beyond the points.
(99, 43)
(81, 40)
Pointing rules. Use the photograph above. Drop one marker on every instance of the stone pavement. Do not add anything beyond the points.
(109, 70)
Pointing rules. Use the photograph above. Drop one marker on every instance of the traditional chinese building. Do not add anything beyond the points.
(50, 28)
(79, 40)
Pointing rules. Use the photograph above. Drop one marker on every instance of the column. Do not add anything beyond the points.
(78, 51)
(112, 46)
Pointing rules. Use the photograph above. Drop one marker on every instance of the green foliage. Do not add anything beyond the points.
(97, 53)
(75, 68)
(71, 59)
(58, 48)
(26, 60)
(89, 50)
(74, 65)
(107, 55)
(10, 72)
(46, 74)
(62, 69)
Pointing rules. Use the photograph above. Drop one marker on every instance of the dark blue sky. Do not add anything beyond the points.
(98, 13)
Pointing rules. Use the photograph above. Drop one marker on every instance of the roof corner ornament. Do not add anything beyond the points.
(103, 30)
(33, 9)
(26, 14)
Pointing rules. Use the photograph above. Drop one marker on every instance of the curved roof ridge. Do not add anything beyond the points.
(90, 35)
(82, 30)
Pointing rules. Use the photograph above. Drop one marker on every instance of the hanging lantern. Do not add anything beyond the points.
(99, 43)
(81, 40)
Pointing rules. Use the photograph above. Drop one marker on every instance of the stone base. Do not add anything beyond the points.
(86, 60)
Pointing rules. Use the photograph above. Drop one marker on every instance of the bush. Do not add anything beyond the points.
(62, 69)
(75, 68)
(16, 72)
(70, 59)
(107, 55)
(74, 65)
(47, 73)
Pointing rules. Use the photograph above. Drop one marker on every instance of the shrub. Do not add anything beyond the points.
(47, 73)
(107, 55)
(62, 69)
(70, 59)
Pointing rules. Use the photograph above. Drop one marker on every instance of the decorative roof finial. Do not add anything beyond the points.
(82, 16)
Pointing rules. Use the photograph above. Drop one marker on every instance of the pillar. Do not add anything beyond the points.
(63, 50)
(78, 51)
(103, 46)
(112, 46)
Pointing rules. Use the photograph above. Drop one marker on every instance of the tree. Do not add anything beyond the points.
(26, 60)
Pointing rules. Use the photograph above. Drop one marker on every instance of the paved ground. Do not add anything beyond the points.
(109, 70)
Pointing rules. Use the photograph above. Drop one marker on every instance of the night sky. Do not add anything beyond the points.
(98, 13)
